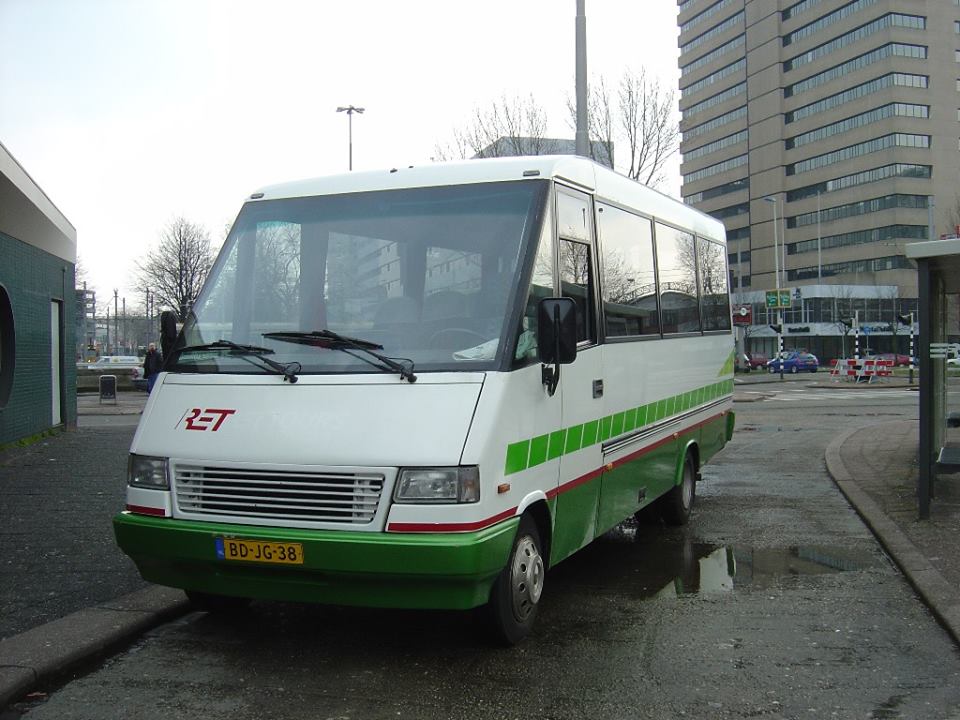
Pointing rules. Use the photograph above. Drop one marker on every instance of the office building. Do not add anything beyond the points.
(826, 136)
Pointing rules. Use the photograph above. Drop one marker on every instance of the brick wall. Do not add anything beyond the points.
(32, 279)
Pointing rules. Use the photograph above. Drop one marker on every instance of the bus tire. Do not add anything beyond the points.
(208, 602)
(678, 503)
(515, 596)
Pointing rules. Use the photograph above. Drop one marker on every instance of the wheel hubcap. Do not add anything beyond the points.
(687, 488)
(526, 578)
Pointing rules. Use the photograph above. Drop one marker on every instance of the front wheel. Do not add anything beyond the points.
(793, 370)
(515, 597)
(678, 503)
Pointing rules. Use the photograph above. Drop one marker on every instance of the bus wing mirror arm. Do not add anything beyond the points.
(556, 337)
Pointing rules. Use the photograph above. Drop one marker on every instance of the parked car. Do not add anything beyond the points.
(898, 359)
(752, 361)
(794, 362)
(131, 364)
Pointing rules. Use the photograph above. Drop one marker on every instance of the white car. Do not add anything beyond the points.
(118, 362)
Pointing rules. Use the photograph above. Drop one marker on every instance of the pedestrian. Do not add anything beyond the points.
(152, 364)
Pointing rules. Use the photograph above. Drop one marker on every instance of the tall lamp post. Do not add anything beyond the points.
(776, 274)
(350, 110)
(581, 137)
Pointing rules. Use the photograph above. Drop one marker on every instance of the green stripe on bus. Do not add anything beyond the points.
(729, 364)
(538, 450)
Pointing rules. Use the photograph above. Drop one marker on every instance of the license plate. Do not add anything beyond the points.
(259, 551)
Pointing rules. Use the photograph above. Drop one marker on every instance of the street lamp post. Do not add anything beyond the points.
(776, 274)
(581, 137)
(116, 321)
(350, 110)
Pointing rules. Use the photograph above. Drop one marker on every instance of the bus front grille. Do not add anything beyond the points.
(277, 495)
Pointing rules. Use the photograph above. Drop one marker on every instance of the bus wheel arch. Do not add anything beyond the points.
(678, 504)
(515, 596)
(535, 505)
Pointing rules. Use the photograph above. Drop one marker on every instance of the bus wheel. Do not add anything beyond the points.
(678, 503)
(208, 602)
(515, 597)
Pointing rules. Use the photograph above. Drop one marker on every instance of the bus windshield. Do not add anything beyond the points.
(423, 276)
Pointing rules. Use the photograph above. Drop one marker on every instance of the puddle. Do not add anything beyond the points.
(652, 564)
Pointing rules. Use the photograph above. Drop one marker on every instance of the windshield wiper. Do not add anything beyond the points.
(333, 341)
(288, 370)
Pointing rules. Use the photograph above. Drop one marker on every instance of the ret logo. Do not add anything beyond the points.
(206, 419)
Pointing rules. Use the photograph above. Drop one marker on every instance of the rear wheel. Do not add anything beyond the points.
(208, 602)
(515, 597)
(678, 503)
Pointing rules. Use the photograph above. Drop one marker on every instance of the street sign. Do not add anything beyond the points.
(777, 299)
(743, 314)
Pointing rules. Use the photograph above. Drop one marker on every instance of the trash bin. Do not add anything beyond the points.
(108, 388)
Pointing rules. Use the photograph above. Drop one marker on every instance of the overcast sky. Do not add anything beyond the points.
(130, 112)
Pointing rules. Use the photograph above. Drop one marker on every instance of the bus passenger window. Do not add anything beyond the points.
(628, 282)
(576, 282)
(712, 274)
(677, 280)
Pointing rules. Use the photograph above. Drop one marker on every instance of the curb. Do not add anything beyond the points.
(45, 654)
(926, 580)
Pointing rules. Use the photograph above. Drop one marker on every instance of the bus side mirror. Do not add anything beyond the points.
(557, 331)
(168, 332)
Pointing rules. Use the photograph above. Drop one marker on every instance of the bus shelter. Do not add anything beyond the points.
(938, 276)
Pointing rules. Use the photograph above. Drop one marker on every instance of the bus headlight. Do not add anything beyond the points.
(438, 485)
(145, 471)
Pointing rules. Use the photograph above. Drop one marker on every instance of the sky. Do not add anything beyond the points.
(128, 113)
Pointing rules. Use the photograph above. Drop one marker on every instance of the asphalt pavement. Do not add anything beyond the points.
(69, 597)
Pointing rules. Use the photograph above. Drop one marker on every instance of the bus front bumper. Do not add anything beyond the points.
(401, 570)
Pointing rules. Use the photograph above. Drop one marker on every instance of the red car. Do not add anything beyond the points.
(752, 361)
(898, 359)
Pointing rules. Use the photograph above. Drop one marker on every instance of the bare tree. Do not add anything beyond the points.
(642, 124)
(175, 270)
(508, 127)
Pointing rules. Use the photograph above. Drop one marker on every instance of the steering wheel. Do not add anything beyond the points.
(434, 340)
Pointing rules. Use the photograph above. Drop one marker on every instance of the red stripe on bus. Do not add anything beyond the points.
(144, 510)
(452, 527)
(576, 482)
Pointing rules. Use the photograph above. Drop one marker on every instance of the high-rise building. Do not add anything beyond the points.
(826, 136)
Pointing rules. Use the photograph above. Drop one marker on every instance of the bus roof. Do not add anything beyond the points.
(579, 171)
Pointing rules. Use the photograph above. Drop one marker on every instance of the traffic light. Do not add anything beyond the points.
(778, 329)
(848, 322)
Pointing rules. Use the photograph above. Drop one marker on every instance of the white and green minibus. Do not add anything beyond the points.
(423, 387)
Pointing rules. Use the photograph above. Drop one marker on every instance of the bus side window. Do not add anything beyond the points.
(541, 286)
(576, 282)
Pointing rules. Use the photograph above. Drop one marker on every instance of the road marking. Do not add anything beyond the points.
(792, 395)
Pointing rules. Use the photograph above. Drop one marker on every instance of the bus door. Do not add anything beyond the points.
(581, 383)
(633, 358)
